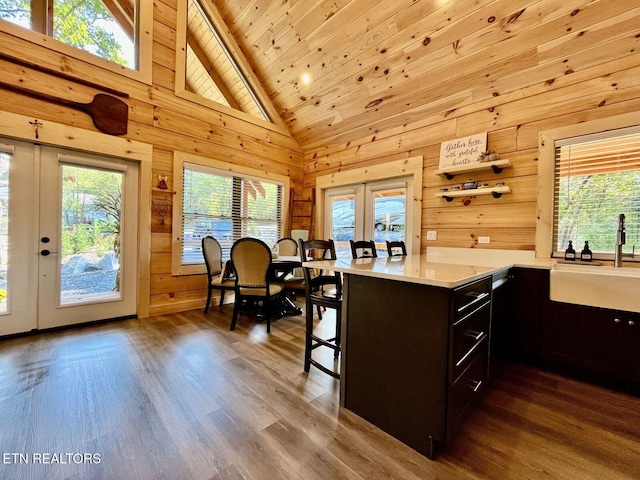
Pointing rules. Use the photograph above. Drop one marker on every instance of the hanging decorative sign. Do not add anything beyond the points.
(462, 151)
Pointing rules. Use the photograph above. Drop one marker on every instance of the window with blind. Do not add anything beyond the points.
(597, 177)
(227, 206)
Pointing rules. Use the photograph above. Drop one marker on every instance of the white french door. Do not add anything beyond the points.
(68, 237)
(18, 238)
(375, 211)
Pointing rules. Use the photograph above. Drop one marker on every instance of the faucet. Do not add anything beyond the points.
(620, 241)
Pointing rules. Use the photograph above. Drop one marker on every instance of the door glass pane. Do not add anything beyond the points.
(343, 222)
(4, 230)
(90, 237)
(389, 214)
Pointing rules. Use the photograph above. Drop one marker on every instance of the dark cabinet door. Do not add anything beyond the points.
(503, 322)
(581, 336)
(530, 299)
(599, 340)
(629, 334)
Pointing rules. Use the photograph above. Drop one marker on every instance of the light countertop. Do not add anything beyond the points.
(448, 268)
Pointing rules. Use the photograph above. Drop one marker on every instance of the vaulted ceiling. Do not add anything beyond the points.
(376, 65)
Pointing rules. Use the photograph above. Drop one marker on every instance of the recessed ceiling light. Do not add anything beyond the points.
(306, 78)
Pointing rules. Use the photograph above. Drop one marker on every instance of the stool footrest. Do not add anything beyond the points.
(320, 342)
(324, 369)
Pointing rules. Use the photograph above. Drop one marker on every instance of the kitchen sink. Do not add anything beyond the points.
(596, 286)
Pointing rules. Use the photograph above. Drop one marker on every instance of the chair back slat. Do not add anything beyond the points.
(312, 250)
(396, 248)
(363, 249)
(317, 250)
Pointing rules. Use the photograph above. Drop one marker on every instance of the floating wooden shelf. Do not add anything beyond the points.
(496, 166)
(473, 192)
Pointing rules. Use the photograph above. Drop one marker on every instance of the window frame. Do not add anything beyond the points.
(40, 41)
(179, 159)
(546, 176)
(238, 58)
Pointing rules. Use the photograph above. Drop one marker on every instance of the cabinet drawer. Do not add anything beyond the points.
(468, 297)
(468, 336)
(470, 383)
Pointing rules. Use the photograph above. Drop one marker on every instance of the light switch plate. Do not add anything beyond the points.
(432, 234)
(484, 239)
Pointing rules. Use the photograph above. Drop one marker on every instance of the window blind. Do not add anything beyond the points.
(597, 177)
(227, 207)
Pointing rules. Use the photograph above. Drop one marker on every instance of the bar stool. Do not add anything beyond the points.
(322, 289)
(363, 249)
(396, 248)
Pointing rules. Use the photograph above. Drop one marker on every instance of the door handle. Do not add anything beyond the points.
(46, 252)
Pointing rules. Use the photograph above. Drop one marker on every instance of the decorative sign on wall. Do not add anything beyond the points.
(462, 151)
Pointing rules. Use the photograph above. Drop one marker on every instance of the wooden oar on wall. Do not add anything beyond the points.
(109, 114)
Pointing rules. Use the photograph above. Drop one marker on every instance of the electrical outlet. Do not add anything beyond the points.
(484, 239)
(432, 234)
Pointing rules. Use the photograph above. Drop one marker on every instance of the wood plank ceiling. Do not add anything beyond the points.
(377, 65)
(209, 72)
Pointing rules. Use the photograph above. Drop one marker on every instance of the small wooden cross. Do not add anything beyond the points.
(36, 125)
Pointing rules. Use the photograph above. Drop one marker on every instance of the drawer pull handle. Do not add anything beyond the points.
(476, 385)
(631, 323)
(464, 316)
(471, 350)
(477, 298)
(475, 335)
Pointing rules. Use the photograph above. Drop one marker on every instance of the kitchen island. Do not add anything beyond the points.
(415, 351)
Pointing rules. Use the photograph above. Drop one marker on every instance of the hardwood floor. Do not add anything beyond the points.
(182, 397)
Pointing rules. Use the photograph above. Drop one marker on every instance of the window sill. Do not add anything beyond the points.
(597, 260)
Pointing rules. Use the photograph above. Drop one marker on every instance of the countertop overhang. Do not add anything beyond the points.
(426, 269)
(413, 269)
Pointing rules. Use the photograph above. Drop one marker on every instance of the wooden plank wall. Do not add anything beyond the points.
(394, 79)
(156, 116)
(577, 86)
(587, 68)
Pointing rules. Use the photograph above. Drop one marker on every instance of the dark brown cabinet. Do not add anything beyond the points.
(533, 328)
(469, 334)
(518, 310)
(629, 359)
(594, 339)
(531, 301)
(415, 357)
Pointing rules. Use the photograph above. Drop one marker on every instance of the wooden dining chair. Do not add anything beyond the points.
(219, 274)
(251, 259)
(363, 249)
(322, 289)
(287, 247)
(294, 281)
(396, 248)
